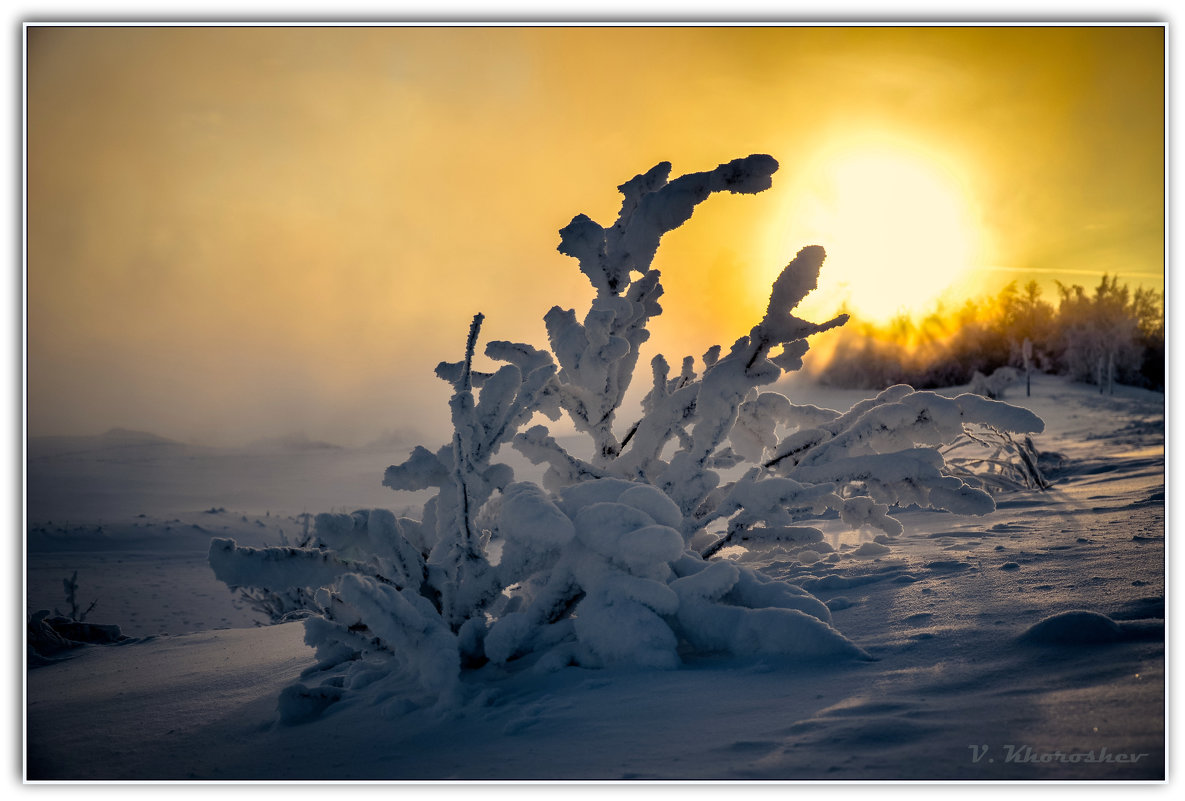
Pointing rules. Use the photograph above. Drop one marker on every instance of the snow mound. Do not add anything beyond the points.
(1076, 627)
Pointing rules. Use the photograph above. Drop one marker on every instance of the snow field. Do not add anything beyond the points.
(945, 623)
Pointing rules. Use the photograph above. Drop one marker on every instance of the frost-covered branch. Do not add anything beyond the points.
(597, 357)
(651, 207)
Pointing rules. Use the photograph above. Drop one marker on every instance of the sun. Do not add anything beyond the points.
(897, 226)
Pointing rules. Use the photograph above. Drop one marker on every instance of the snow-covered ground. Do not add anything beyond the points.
(965, 684)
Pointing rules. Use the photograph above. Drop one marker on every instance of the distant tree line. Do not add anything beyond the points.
(1103, 337)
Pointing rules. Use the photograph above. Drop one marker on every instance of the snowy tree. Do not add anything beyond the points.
(615, 559)
(1101, 332)
(993, 386)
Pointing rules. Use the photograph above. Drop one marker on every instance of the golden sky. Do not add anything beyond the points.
(237, 233)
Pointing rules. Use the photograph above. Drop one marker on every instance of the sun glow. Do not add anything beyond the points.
(897, 227)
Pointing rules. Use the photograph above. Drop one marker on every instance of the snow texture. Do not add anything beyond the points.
(946, 625)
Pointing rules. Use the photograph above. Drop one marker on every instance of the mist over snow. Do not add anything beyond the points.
(259, 246)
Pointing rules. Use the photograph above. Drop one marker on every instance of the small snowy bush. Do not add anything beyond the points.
(48, 635)
(610, 561)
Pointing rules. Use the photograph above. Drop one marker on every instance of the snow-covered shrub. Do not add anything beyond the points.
(610, 561)
(47, 635)
(993, 386)
(70, 586)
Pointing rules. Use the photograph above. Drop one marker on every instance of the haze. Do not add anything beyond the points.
(239, 233)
